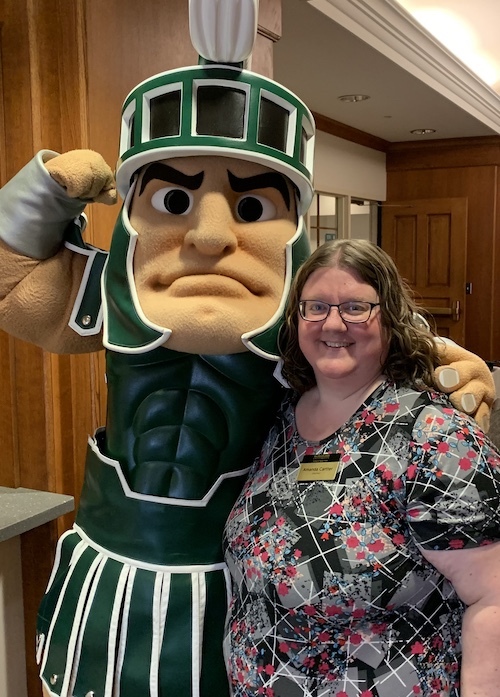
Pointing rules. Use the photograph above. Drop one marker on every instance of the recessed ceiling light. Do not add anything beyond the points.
(353, 97)
(422, 131)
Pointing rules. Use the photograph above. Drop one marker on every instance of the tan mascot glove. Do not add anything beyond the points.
(85, 175)
(468, 381)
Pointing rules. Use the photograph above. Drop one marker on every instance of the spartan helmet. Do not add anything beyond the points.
(214, 108)
(217, 108)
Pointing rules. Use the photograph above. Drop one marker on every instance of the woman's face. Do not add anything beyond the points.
(339, 351)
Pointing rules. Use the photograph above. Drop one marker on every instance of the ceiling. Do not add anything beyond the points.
(331, 48)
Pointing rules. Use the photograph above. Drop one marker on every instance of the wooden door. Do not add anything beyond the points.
(428, 241)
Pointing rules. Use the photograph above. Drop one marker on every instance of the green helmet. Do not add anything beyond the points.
(214, 108)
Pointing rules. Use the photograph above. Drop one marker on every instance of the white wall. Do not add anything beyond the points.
(342, 167)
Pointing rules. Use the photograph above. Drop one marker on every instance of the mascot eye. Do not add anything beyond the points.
(251, 209)
(172, 200)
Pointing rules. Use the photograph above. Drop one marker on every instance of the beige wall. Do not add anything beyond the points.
(343, 167)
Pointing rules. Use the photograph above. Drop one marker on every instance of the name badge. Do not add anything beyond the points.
(322, 467)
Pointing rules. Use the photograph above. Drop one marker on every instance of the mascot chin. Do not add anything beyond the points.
(215, 170)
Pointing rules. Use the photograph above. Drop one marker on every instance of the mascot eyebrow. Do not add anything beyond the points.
(260, 181)
(163, 172)
(158, 170)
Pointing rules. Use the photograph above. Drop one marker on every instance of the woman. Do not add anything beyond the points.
(363, 547)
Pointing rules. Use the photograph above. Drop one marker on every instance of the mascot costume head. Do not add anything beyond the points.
(217, 147)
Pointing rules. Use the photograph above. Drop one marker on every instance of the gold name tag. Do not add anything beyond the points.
(319, 467)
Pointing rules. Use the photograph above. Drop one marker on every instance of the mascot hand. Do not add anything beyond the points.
(85, 175)
(468, 380)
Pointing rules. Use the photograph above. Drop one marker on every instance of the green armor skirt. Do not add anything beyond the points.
(112, 625)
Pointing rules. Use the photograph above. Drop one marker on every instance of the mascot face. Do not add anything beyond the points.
(209, 263)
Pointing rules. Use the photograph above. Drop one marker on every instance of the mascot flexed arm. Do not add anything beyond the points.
(215, 171)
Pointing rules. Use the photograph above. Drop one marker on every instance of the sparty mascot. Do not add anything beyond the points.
(215, 170)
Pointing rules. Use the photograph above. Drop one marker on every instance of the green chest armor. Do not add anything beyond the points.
(181, 433)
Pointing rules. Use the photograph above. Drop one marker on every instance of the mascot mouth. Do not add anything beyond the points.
(210, 284)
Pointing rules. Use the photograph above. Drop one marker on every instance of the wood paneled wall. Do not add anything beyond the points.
(66, 67)
(461, 168)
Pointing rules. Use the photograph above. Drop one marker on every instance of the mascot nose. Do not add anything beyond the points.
(213, 232)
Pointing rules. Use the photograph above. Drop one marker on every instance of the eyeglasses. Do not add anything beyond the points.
(353, 311)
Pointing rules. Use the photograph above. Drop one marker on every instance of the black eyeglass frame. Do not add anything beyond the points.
(338, 306)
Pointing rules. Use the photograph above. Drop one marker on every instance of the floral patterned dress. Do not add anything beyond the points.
(331, 595)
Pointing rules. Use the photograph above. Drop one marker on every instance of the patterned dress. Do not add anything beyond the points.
(331, 595)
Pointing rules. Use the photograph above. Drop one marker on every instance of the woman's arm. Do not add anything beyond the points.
(475, 575)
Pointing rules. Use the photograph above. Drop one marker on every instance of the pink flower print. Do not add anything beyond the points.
(283, 588)
(358, 613)
(398, 539)
(325, 536)
(266, 515)
(412, 469)
(283, 647)
(464, 463)
(376, 546)
(341, 694)
(366, 693)
(356, 527)
(280, 521)
(443, 448)
(336, 509)
(391, 407)
(370, 419)
(417, 648)
(324, 636)
(360, 555)
(352, 542)
(332, 610)
(269, 669)
(297, 553)
(426, 447)
(356, 639)
(456, 544)
(309, 610)
(398, 484)
(416, 690)
(437, 642)
(291, 571)
(387, 474)
(264, 556)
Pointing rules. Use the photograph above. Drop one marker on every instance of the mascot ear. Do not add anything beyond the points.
(468, 381)
(223, 32)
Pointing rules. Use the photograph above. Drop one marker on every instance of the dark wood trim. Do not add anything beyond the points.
(341, 130)
(449, 152)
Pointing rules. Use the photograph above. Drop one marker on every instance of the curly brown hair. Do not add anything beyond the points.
(412, 355)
